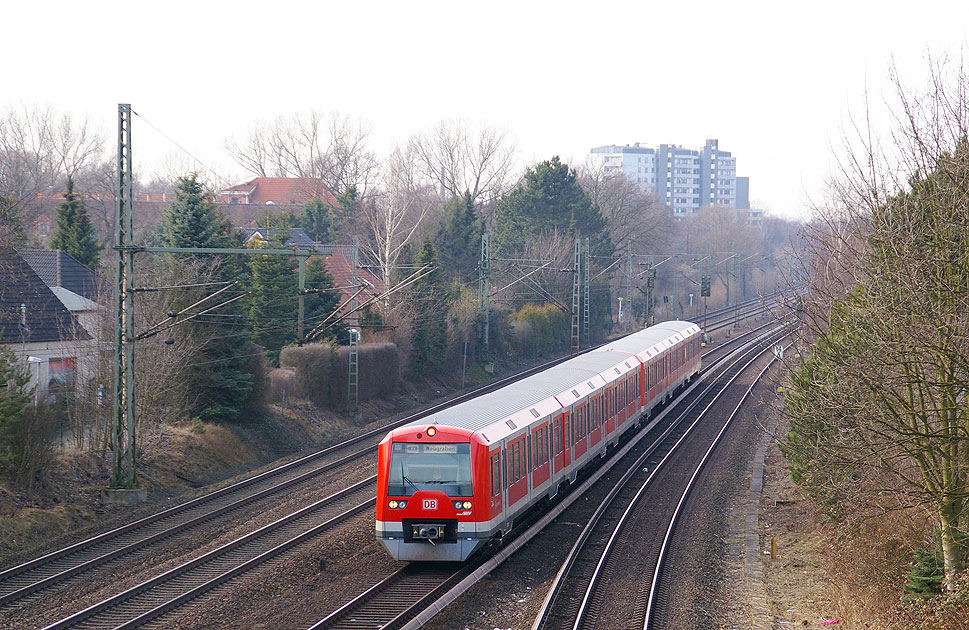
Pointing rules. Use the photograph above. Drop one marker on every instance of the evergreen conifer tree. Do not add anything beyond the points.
(273, 306)
(12, 231)
(549, 198)
(14, 402)
(319, 305)
(926, 573)
(75, 234)
(316, 220)
(459, 237)
(429, 340)
(221, 377)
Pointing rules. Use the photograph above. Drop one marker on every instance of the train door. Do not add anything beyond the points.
(566, 438)
(496, 485)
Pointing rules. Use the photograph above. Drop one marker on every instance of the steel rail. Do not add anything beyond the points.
(678, 512)
(48, 581)
(17, 588)
(563, 573)
(413, 609)
(155, 585)
(13, 588)
(634, 504)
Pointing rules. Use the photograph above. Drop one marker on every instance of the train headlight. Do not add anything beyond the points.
(467, 505)
(431, 431)
(401, 504)
(393, 505)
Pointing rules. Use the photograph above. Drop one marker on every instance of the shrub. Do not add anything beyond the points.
(550, 327)
(313, 365)
(378, 373)
(282, 384)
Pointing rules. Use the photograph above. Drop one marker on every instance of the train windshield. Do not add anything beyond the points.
(443, 467)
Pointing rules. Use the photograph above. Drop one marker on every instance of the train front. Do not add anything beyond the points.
(426, 506)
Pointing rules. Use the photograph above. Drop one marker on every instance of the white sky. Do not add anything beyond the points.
(774, 81)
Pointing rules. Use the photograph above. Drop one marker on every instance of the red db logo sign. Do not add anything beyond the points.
(430, 504)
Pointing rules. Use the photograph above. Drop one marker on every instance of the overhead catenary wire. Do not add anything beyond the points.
(149, 333)
(172, 140)
(180, 286)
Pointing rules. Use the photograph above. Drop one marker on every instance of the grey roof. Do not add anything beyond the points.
(29, 310)
(302, 241)
(73, 301)
(60, 269)
(485, 410)
(294, 236)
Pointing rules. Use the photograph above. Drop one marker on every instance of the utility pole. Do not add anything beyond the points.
(705, 279)
(353, 396)
(354, 369)
(124, 475)
(585, 300)
(650, 284)
(629, 283)
(576, 277)
(301, 301)
(676, 296)
(484, 279)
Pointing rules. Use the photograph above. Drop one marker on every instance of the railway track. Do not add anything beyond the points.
(31, 583)
(78, 561)
(623, 540)
(657, 606)
(384, 606)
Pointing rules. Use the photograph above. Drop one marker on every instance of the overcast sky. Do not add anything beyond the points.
(773, 81)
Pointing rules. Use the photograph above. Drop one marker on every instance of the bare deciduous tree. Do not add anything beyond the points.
(40, 148)
(878, 412)
(332, 148)
(631, 213)
(461, 157)
(396, 213)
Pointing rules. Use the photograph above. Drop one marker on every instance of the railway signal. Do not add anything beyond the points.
(705, 286)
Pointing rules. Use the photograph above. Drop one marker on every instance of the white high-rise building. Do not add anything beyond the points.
(683, 179)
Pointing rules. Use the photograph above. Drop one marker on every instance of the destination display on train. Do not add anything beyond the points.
(443, 449)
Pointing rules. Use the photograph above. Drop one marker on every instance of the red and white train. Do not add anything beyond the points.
(448, 484)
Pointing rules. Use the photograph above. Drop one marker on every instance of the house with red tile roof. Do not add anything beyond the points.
(277, 191)
(339, 266)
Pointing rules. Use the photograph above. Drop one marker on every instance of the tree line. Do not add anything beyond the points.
(426, 206)
(879, 423)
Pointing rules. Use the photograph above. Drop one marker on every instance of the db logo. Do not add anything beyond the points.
(429, 504)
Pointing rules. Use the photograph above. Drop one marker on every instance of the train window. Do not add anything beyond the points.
(557, 437)
(496, 474)
(515, 462)
(505, 468)
(442, 467)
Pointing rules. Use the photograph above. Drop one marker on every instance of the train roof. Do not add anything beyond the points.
(572, 378)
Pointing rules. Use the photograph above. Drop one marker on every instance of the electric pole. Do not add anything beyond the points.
(576, 278)
(484, 279)
(585, 300)
(124, 475)
(629, 283)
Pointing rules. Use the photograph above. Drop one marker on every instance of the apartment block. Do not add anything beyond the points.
(684, 179)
